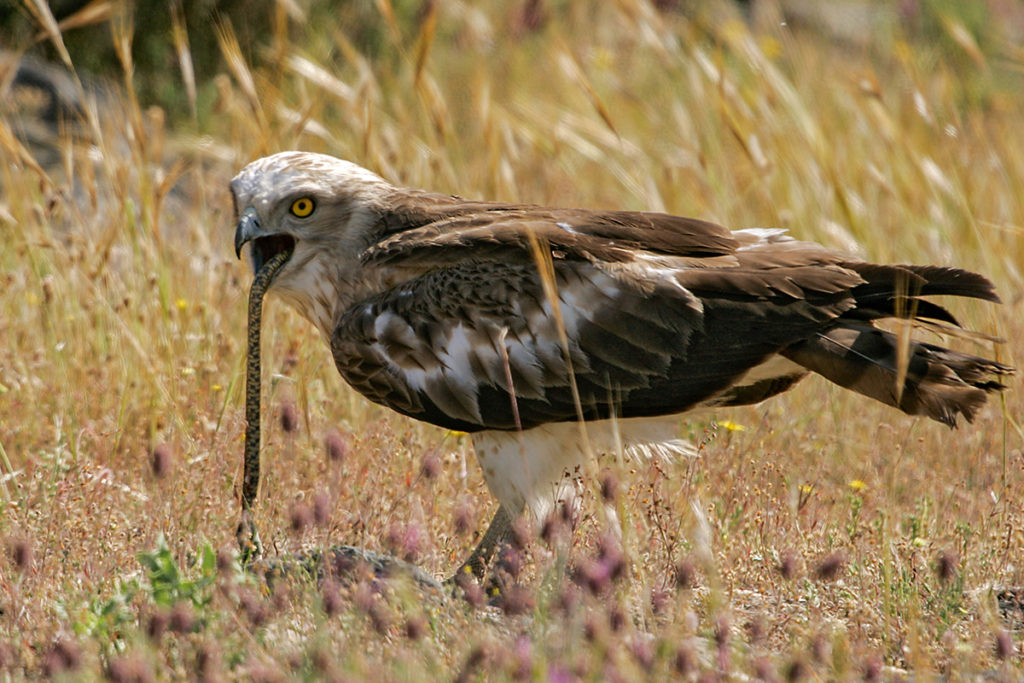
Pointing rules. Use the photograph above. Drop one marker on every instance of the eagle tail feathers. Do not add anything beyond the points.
(938, 383)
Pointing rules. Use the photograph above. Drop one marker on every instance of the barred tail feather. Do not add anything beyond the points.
(940, 384)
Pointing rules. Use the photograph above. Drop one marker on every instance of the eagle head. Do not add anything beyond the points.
(319, 208)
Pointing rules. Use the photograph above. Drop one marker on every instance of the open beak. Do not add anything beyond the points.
(248, 229)
(263, 245)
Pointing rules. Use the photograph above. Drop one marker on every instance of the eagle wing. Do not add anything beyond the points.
(649, 315)
(612, 236)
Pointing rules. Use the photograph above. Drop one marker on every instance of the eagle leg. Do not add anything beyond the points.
(498, 532)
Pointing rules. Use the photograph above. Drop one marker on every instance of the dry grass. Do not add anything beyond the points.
(818, 535)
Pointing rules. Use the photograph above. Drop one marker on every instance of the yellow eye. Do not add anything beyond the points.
(303, 206)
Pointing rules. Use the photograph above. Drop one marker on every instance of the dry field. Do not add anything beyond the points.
(817, 536)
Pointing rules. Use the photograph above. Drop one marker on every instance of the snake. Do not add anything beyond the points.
(337, 558)
(247, 533)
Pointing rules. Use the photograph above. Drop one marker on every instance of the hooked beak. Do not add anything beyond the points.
(264, 245)
(248, 228)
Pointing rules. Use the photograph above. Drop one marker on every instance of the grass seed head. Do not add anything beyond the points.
(330, 595)
(594, 629)
(300, 516)
(685, 573)
(182, 618)
(255, 611)
(226, 562)
(560, 674)
(380, 618)
(872, 669)
(64, 656)
(616, 619)
(593, 575)
(263, 672)
(609, 486)
(521, 534)
(522, 658)
(796, 670)
(156, 625)
(568, 598)
(208, 661)
(821, 648)
(415, 627)
(405, 540)
(281, 595)
(289, 417)
(161, 460)
(516, 599)
(472, 591)
(685, 660)
(661, 600)
(323, 663)
(553, 529)
(789, 565)
(755, 629)
(432, 465)
(723, 631)
(764, 671)
(322, 508)
(830, 566)
(643, 651)
(609, 553)
(21, 551)
(477, 658)
(568, 514)
(129, 669)
(511, 562)
(337, 446)
(370, 601)
(945, 566)
(464, 519)
(1004, 648)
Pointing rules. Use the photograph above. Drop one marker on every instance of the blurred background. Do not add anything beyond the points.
(818, 535)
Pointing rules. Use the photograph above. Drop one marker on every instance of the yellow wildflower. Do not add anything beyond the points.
(731, 426)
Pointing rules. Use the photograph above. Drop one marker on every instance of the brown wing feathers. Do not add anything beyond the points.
(643, 343)
(611, 237)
